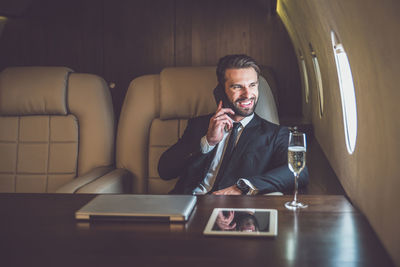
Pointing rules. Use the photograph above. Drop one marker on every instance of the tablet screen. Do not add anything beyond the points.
(246, 222)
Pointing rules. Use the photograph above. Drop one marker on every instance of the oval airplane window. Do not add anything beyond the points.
(347, 93)
(319, 81)
(305, 77)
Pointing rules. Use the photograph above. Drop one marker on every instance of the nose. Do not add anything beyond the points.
(247, 91)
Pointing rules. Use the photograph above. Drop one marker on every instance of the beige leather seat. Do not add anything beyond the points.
(154, 115)
(56, 132)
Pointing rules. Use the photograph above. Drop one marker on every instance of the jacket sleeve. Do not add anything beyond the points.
(173, 162)
(278, 177)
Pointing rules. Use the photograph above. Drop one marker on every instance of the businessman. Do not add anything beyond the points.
(232, 151)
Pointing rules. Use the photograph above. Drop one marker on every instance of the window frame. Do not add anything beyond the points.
(318, 77)
(305, 77)
(347, 93)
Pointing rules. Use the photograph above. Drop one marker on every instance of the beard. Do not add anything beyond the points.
(244, 112)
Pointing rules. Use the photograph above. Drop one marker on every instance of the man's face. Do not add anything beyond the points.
(248, 225)
(241, 87)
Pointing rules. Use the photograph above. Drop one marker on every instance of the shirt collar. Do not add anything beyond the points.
(246, 120)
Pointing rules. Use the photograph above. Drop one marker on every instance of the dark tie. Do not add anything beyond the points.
(227, 155)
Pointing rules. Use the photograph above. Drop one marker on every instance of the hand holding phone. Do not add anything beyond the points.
(218, 123)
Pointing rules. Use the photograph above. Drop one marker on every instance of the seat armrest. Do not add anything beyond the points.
(118, 181)
(80, 181)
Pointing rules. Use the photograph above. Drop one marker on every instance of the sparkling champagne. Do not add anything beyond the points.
(297, 158)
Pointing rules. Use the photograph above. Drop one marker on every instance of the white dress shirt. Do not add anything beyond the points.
(206, 185)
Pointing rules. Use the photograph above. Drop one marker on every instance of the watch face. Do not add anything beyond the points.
(242, 186)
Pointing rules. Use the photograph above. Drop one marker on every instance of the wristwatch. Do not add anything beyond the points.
(247, 189)
(242, 186)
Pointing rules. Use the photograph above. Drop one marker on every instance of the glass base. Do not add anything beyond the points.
(293, 205)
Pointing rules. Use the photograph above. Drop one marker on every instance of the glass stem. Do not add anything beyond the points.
(296, 178)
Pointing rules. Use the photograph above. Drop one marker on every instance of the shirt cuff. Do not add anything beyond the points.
(205, 146)
(252, 189)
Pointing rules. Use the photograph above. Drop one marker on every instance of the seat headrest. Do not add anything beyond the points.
(186, 92)
(33, 90)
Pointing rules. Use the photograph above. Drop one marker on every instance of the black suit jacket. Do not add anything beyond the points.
(259, 156)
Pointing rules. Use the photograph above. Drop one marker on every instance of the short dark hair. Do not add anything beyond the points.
(234, 62)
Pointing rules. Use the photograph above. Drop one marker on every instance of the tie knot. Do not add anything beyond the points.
(236, 126)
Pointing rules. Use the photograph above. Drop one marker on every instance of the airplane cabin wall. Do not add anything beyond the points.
(3, 21)
(121, 40)
(368, 31)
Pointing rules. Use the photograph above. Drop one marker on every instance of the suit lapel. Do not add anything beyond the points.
(248, 134)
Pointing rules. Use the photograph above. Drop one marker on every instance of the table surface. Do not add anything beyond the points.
(40, 230)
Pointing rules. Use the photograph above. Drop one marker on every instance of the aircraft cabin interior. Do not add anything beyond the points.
(92, 93)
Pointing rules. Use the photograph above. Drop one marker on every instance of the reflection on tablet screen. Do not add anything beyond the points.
(242, 222)
(247, 220)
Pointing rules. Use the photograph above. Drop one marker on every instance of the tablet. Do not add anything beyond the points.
(242, 222)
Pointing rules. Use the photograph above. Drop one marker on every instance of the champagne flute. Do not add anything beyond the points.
(297, 162)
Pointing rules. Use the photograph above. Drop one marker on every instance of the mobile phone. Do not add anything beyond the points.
(219, 94)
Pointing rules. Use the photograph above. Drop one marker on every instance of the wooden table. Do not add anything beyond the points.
(40, 230)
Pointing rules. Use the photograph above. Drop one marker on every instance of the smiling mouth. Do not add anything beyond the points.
(248, 228)
(245, 103)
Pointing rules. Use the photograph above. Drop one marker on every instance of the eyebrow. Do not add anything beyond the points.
(238, 84)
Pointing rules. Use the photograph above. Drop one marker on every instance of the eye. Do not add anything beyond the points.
(236, 87)
(252, 85)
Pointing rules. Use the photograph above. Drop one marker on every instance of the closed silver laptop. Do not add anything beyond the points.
(170, 208)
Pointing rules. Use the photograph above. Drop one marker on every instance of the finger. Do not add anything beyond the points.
(230, 227)
(219, 107)
(223, 117)
(228, 110)
(221, 123)
(218, 129)
(235, 192)
(231, 192)
(223, 111)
